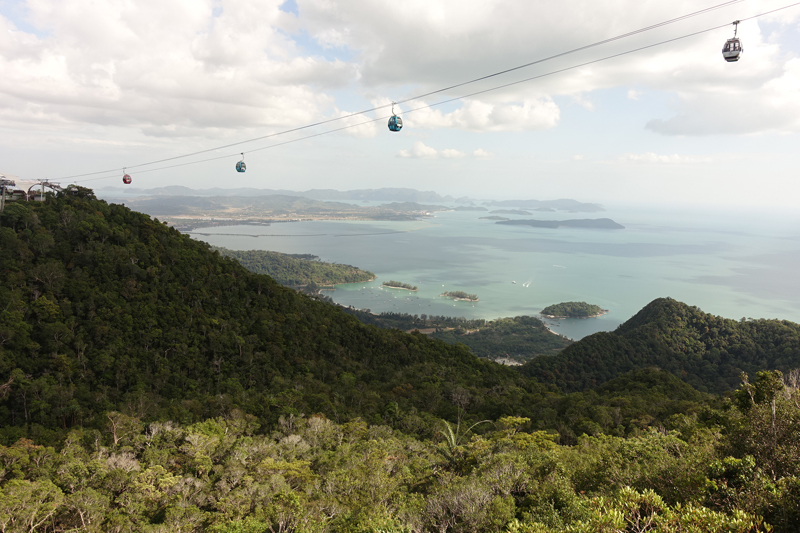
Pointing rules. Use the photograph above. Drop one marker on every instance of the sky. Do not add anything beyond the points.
(95, 85)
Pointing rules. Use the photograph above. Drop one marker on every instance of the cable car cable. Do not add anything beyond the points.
(319, 123)
(428, 106)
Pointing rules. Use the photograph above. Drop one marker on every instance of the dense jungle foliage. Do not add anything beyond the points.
(407, 322)
(733, 470)
(148, 383)
(294, 271)
(708, 352)
(572, 310)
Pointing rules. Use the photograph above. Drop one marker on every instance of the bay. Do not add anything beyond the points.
(730, 263)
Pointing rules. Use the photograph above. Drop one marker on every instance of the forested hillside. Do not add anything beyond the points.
(106, 308)
(709, 352)
(148, 383)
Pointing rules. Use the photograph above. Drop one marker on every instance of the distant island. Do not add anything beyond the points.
(469, 208)
(460, 295)
(510, 212)
(494, 217)
(399, 285)
(593, 223)
(573, 310)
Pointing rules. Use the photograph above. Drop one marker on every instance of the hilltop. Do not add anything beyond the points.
(708, 352)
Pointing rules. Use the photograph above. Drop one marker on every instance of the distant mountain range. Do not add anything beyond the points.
(386, 194)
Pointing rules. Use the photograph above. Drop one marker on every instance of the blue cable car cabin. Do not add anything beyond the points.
(240, 166)
(395, 123)
(732, 50)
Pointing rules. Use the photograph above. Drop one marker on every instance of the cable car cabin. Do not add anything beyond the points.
(395, 123)
(126, 179)
(240, 166)
(732, 50)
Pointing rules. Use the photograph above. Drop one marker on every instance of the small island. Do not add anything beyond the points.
(573, 310)
(460, 295)
(398, 285)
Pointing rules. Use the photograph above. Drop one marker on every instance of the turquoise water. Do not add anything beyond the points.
(731, 264)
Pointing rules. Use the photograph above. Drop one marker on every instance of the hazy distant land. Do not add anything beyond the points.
(595, 223)
(186, 208)
(469, 208)
(386, 194)
(510, 212)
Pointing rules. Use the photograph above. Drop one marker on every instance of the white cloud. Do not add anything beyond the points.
(653, 158)
(394, 44)
(449, 153)
(582, 101)
(480, 153)
(731, 111)
(420, 151)
(164, 68)
(479, 116)
(577, 158)
(633, 94)
(212, 68)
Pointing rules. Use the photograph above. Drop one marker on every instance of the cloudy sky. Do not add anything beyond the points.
(91, 85)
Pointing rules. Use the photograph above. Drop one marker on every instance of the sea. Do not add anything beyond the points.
(737, 263)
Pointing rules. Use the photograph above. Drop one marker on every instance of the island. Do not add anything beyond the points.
(573, 310)
(460, 295)
(510, 212)
(398, 285)
(494, 217)
(469, 208)
(591, 223)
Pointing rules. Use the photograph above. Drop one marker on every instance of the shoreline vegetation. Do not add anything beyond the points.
(460, 295)
(391, 284)
(573, 310)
